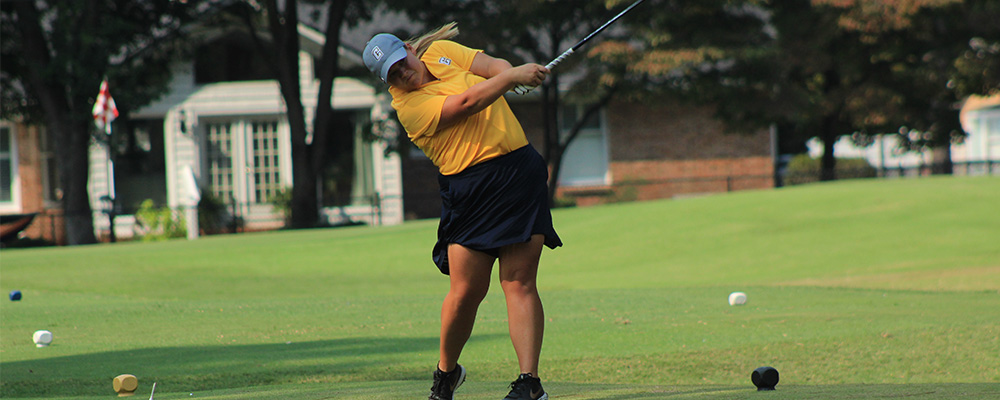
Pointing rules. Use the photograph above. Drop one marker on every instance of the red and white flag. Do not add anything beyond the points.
(104, 108)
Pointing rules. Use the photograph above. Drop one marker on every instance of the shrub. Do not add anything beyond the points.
(211, 213)
(282, 203)
(805, 169)
(158, 223)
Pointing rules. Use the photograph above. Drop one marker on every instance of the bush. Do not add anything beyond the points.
(804, 169)
(211, 213)
(282, 203)
(158, 223)
(564, 202)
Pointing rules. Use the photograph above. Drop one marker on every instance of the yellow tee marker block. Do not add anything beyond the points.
(125, 384)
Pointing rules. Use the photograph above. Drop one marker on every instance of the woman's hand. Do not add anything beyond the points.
(528, 74)
(488, 67)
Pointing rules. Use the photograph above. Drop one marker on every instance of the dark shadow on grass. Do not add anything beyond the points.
(912, 391)
(660, 392)
(197, 368)
(660, 395)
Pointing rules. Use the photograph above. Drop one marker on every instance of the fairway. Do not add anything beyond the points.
(856, 289)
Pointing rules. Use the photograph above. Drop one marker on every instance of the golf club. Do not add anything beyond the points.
(519, 89)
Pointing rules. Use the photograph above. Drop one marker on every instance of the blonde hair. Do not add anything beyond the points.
(420, 44)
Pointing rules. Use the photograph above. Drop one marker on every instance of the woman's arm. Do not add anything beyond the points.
(487, 66)
(501, 77)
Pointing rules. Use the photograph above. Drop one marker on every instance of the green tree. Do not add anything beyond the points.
(55, 54)
(309, 158)
(803, 76)
(823, 68)
(938, 57)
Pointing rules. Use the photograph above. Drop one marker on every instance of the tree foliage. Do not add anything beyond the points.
(923, 52)
(819, 68)
(55, 54)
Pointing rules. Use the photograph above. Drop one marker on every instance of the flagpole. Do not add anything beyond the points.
(104, 112)
(111, 187)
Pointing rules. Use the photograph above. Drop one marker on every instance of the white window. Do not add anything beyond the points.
(585, 162)
(243, 160)
(9, 182)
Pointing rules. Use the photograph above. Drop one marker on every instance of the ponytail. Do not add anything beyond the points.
(420, 44)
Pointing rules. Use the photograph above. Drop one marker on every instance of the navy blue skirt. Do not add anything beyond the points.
(495, 203)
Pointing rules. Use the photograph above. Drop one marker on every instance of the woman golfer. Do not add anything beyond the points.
(449, 98)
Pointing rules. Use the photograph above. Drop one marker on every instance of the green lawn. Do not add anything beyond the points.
(858, 289)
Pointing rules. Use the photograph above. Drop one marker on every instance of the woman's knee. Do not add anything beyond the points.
(468, 294)
(518, 288)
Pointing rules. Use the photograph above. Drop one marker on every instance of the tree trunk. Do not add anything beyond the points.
(941, 157)
(828, 162)
(555, 164)
(284, 28)
(74, 170)
(72, 152)
(947, 121)
(553, 150)
(305, 205)
(327, 72)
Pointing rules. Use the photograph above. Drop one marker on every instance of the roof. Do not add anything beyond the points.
(260, 97)
(312, 41)
(975, 103)
(254, 97)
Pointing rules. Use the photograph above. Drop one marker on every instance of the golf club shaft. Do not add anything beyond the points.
(579, 44)
(525, 89)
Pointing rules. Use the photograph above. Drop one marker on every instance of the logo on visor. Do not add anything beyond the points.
(444, 60)
(377, 52)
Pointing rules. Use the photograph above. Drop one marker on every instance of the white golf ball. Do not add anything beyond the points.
(42, 338)
(737, 298)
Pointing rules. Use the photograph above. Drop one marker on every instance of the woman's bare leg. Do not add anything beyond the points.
(470, 280)
(526, 319)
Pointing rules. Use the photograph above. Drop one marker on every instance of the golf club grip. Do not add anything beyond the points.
(559, 59)
(521, 89)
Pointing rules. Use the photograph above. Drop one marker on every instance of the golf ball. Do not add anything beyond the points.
(42, 338)
(737, 298)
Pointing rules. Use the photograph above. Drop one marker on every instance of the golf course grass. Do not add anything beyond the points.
(856, 289)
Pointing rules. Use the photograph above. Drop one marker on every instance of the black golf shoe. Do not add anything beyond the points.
(445, 383)
(526, 387)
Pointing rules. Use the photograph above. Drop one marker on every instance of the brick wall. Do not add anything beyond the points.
(671, 150)
(676, 132)
(48, 224)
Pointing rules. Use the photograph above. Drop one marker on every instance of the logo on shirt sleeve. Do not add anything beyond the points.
(444, 60)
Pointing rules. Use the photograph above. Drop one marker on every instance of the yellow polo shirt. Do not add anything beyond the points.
(487, 134)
